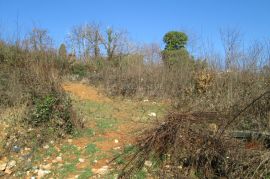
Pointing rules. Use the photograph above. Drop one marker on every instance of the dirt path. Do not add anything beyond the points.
(112, 140)
(111, 127)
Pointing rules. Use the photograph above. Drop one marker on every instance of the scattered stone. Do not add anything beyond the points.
(213, 128)
(54, 161)
(42, 173)
(116, 141)
(46, 167)
(102, 171)
(95, 161)
(81, 160)
(51, 142)
(59, 159)
(27, 149)
(46, 146)
(116, 148)
(16, 149)
(3, 165)
(33, 177)
(152, 114)
(8, 171)
(148, 163)
(11, 164)
(146, 100)
(69, 140)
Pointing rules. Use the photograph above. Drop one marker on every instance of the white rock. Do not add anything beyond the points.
(116, 141)
(42, 173)
(116, 148)
(148, 163)
(95, 161)
(152, 114)
(11, 164)
(46, 146)
(146, 100)
(81, 160)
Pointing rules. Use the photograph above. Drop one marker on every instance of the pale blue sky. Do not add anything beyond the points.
(145, 20)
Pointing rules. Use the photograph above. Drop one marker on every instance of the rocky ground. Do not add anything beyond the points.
(111, 126)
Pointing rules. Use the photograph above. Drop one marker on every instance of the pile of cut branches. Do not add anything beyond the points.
(186, 145)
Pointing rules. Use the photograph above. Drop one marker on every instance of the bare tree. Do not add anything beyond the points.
(86, 40)
(114, 42)
(151, 53)
(231, 40)
(254, 56)
(39, 39)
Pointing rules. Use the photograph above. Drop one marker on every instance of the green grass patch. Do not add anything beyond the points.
(70, 149)
(86, 174)
(91, 149)
(67, 169)
(88, 132)
(104, 124)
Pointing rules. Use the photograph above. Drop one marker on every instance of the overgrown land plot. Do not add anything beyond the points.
(131, 114)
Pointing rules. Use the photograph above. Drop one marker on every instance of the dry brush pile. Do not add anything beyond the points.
(203, 145)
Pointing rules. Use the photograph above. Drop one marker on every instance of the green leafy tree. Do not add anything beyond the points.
(62, 51)
(175, 40)
(175, 50)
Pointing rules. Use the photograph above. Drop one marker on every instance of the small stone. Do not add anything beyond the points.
(146, 100)
(46, 167)
(54, 161)
(148, 163)
(116, 141)
(69, 140)
(3, 165)
(8, 171)
(42, 173)
(11, 164)
(59, 159)
(46, 146)
(27, 149)
(51, 142)
(103, 170)
(81, 160)
(16, 149)
(116, 148)
(152, 114)
(95, 161)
